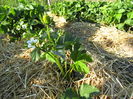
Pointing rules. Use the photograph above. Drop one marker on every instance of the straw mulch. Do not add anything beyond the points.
(112, 50)
(111, 71)
(20, 78)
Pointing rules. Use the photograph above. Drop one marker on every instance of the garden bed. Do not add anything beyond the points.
(111, 72)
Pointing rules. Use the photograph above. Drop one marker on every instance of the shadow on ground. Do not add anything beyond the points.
(115, 69)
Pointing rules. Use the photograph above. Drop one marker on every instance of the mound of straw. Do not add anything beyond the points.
(112, 67)
(20, 78)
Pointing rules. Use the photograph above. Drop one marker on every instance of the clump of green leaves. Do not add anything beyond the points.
(118, 13)
(84, 92)
(70, 10)
(60, 48)
(17, 21)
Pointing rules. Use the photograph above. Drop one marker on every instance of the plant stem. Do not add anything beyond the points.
(58, 64)
(60, 67)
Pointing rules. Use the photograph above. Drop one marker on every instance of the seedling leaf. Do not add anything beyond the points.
(35, 54)
(87, 91)
(80, 66)
(70, 94)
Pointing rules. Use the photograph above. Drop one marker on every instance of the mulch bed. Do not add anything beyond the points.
(111, 71)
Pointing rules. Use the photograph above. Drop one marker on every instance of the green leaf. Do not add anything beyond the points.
(85, 57)
(43, 56)
(51, 57)
(129, 22)
(27, 35)
(121, 10)
(12, 11)
(118, 16)
(29, 6)
(120, 26)
(5, 23)
(87, 91)
(34, 22)
(74, 55)
(1, 31)
(3, 28)
(3, 13)
(46, 19)
(70, 94)
(35, 54)
(2, 16)
(80, 66)
(130, 15)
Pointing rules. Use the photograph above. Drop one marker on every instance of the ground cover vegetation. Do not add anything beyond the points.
(31, 23)
(118, 13)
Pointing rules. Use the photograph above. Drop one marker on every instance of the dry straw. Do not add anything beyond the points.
(20, 78)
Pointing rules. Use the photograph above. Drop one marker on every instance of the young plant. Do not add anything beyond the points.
(84, 92)
(60, 48)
